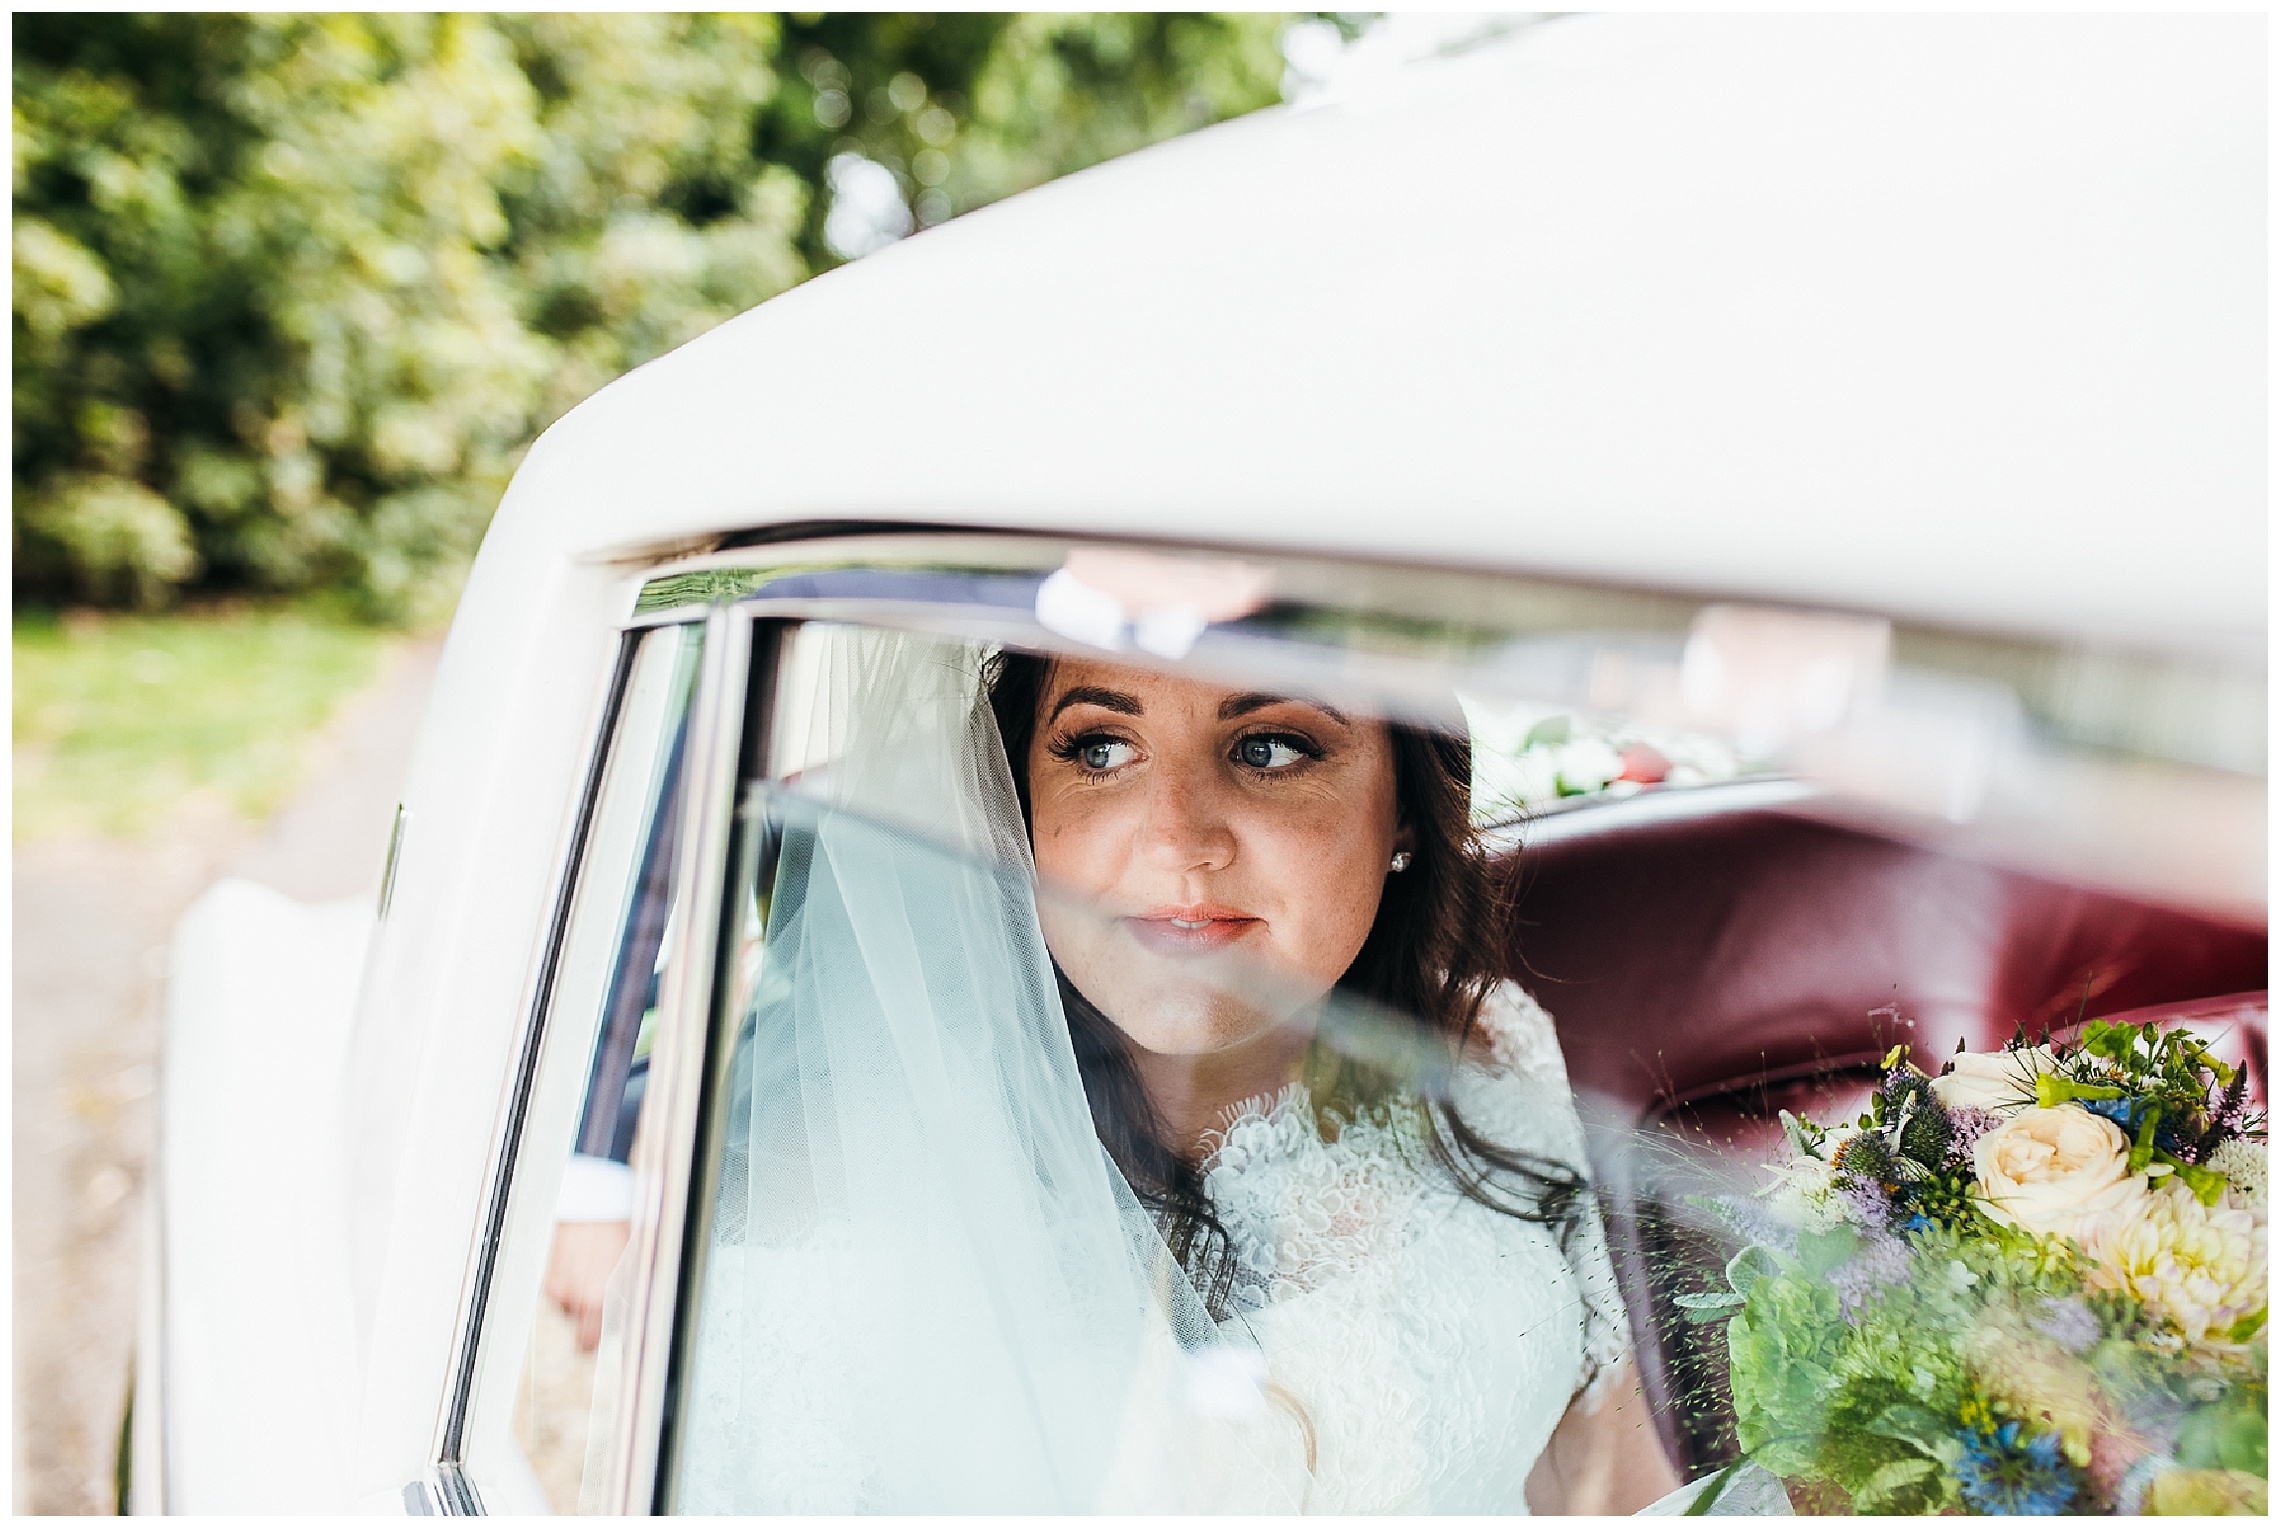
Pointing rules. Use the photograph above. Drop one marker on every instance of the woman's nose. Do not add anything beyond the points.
(1186, 828)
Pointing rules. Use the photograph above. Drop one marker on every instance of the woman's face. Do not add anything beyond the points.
(1208, 830)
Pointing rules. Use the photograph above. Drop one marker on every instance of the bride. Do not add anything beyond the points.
(1342, 1256)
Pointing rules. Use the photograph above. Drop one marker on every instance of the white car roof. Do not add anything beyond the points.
(1956, 318)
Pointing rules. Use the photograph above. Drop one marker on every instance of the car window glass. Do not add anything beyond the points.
(559, 1287)
(925, 1284)
(950, 1253)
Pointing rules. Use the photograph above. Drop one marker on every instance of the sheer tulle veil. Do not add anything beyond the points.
(928, 1289)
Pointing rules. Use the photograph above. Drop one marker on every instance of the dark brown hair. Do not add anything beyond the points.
(1429, 962)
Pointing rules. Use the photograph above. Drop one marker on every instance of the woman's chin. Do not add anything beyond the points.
(1205, 1027)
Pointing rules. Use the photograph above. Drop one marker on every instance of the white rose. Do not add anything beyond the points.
(1999, 1083)
(2059, 1172)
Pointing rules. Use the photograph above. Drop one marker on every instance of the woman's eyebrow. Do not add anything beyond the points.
(1243, 705)
(1093, 695)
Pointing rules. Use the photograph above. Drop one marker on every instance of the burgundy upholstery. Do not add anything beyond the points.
(1680, 958)
(1708, 971)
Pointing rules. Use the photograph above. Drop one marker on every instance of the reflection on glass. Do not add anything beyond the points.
(1131, 1104)
(593, 1082)
(1224, 1172)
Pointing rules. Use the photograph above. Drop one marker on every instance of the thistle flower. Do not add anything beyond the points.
(1866, 1155)
(1965, 1127)
(1924, 1139)
(2000, 1474)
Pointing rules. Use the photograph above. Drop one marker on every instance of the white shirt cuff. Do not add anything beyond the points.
(595, 1188)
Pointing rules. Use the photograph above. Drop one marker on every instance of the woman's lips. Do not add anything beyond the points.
(1194, 930)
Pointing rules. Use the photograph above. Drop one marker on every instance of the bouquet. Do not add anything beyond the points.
(2033, 1283)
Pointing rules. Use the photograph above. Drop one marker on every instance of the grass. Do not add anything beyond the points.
(121, 720)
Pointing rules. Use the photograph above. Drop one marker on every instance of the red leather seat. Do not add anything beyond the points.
(1679, 956)
(1711, 966)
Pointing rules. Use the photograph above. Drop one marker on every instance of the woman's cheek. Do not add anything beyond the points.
(1076, 845)
(1331, 863)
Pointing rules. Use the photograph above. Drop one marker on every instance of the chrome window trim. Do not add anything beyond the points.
(452, 1492)
(1596, 816)
(764, 646)
(664, 1147)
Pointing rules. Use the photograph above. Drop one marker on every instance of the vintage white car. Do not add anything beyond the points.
(1826, 456)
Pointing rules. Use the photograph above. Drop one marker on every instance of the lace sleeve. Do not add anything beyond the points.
(1539, 1115)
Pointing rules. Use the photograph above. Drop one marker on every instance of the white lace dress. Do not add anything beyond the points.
(1418, 1348)
(1432, 1343)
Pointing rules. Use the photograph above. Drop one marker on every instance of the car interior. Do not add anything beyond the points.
(1713, 955)
(1711, 967)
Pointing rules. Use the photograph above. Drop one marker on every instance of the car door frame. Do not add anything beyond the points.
(744, 625)
(718, 717)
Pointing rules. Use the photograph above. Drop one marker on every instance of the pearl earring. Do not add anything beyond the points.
(1401, 860)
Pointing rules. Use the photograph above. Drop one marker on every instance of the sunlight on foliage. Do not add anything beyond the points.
(294, 292)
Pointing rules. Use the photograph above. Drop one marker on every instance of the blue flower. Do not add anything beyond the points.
(2001, 1476)
(2129, 1113)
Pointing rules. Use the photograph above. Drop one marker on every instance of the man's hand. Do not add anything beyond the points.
(578, 1270)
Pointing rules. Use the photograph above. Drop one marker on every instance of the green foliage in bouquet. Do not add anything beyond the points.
(2156, 1084)
(2032, 1285)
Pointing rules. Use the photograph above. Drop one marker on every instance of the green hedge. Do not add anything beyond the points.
(293, 292)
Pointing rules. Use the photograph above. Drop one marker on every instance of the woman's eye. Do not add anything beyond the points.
(1268, 752)
(1104, 754)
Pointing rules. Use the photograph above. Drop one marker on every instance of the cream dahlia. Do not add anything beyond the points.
(2199, 1268)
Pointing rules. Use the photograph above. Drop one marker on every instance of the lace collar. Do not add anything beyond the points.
(1301, 1210)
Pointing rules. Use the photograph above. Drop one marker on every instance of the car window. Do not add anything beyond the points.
(947, 1252)
(540, 1437)
(936, 1271)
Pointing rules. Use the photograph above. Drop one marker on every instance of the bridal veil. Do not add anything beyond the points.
(927, 1288)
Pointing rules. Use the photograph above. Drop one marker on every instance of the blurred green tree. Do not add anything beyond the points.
(294, 292)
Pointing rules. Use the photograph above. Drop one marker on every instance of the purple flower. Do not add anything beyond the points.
(1969, 1125)
(2069, 1323)
(1883, 1260)
(1868, 1204)
(2228, 1118)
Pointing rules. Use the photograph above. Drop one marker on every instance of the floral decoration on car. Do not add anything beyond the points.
(2034, 1283)
(1525, 761)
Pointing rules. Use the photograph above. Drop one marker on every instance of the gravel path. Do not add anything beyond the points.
(92, 918)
